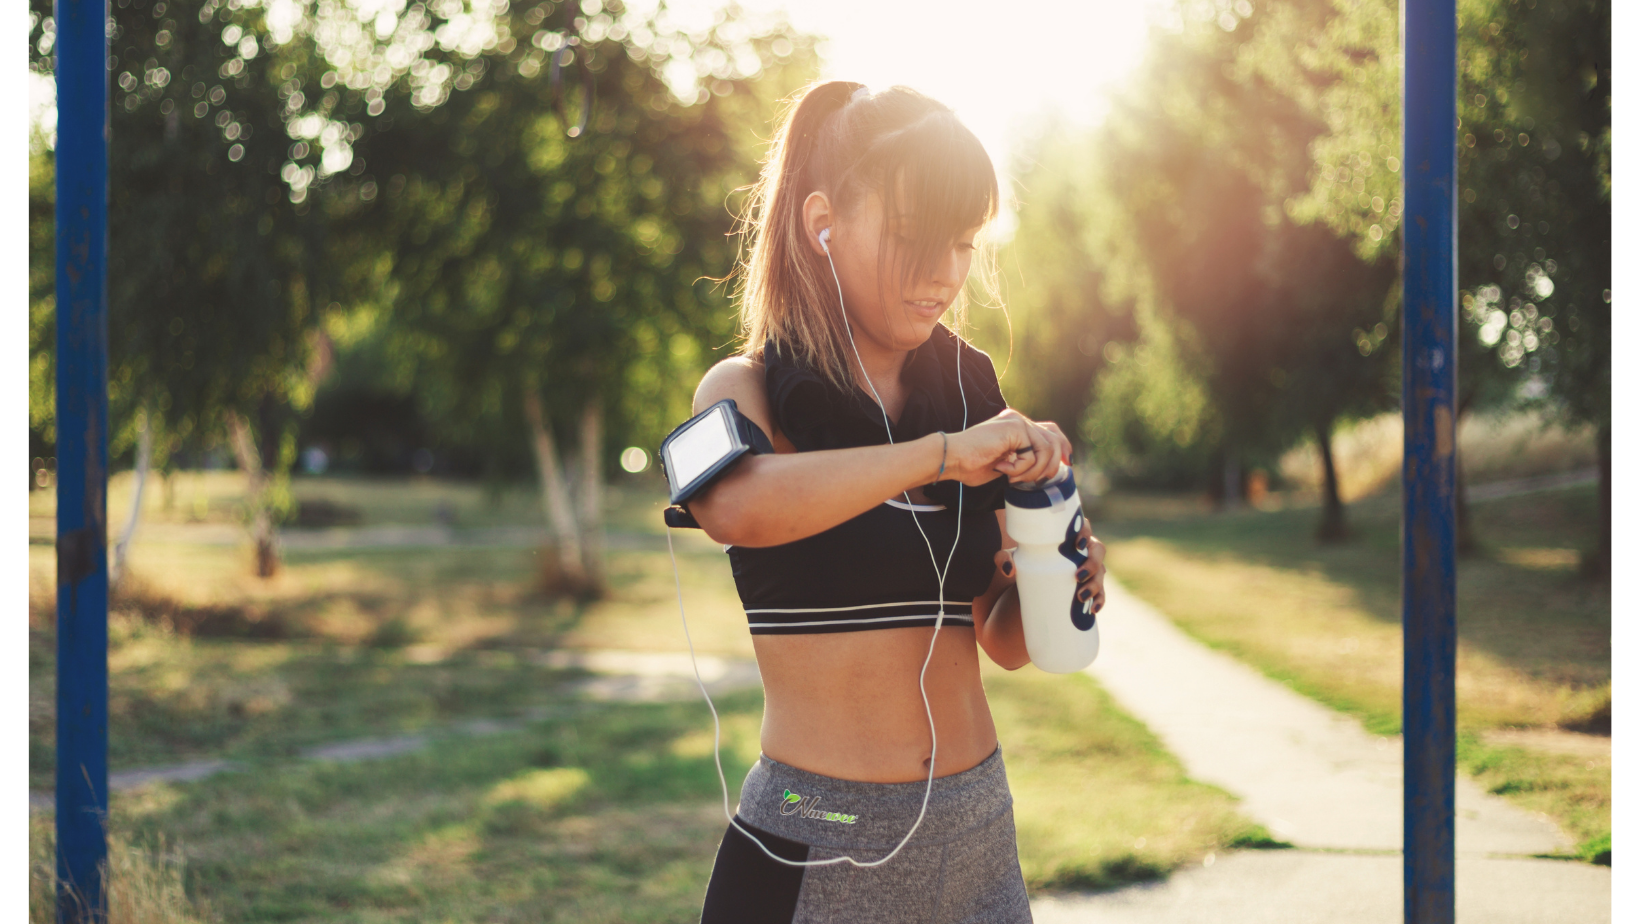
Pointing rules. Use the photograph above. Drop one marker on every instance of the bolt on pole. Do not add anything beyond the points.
(1429, 376)
(82, 457)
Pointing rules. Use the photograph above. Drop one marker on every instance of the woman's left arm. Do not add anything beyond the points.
(997, 624)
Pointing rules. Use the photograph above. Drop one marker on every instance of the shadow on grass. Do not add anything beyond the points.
(175, 700)
(1106, 874)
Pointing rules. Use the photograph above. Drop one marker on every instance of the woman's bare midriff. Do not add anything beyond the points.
(846, 704)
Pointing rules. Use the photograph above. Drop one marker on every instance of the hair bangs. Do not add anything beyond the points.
(938, 183)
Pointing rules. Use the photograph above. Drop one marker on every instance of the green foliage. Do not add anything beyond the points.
(499, 255)
(1535, 167)
(42, 287)
(1151, 417)
(273, 167)
(214, 281)
(1252, 328)
(1340, 61)
(1534, 162)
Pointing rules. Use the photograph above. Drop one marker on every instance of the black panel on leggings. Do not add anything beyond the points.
(749, 888)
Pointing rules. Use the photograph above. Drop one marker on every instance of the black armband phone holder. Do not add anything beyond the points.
(701, 449)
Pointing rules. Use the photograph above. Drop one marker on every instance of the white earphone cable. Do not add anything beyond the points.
(939, 619)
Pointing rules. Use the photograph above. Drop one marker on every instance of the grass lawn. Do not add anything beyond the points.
(614, 815)
(605, 812)
(1534, 648)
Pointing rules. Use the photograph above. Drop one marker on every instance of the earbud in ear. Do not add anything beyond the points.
(825, 240)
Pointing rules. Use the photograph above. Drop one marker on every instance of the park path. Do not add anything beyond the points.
(1315, 779)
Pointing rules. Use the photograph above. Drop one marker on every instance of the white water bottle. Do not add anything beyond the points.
(1045, 519)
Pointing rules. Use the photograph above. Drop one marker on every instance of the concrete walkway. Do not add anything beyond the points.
(1319, 781)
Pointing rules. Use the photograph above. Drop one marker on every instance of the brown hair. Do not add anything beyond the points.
(845, 143)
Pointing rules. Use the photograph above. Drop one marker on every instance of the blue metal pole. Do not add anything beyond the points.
(1429, 41)
(82, 457)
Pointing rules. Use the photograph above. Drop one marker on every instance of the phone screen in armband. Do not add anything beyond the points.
(699, 450)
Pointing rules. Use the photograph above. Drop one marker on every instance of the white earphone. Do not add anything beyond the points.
(717, 726)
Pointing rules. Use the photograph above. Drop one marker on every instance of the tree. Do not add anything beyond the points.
(528, 279)
(1535, 170)
(1282, 325)
(1534, 157)
(244, 211)
(214, 277)
(1334, 317)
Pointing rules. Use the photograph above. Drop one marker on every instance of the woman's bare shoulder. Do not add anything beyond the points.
(738, 377)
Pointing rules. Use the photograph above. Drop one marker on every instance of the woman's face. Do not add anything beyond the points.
(869, 252)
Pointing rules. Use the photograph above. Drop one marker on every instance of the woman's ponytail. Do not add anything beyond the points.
(806, 120)
(781, 270)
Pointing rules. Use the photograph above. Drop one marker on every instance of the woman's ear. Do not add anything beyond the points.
(817, 217)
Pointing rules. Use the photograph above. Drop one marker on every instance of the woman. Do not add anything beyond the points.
(862, 232)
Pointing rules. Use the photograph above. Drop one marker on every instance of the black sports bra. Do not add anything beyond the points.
(875, 571)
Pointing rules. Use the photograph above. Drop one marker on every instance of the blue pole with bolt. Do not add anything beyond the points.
(82, 457)
(1429, 38)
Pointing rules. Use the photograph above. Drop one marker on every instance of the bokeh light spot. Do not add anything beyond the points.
(634, 459)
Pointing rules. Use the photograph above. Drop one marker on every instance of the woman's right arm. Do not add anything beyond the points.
(767, 500)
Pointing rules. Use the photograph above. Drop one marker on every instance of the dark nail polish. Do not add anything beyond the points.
(1082, 544)
(1082, 575)
(1098, 606)
(1007, 569)
(1084, 594)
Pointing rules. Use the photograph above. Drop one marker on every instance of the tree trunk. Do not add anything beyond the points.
(1333, 528)
(592, 495)
(571, 574)
(256, 485)
(1597, 564)
(1232, 483)
(1465, 527)
(122, 547)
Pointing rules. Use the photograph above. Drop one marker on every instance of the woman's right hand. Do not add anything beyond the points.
(1009, 444)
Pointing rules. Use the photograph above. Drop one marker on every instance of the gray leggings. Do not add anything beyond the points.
(962, 865)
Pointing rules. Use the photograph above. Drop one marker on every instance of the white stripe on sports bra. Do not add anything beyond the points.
(949, 618)
(844, 609)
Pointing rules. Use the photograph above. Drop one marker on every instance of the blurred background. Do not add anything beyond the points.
(404, 295)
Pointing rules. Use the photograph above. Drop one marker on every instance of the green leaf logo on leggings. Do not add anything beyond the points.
(793, 804)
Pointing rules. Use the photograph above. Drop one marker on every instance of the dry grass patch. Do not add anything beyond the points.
(1491, 447)
(142, 885)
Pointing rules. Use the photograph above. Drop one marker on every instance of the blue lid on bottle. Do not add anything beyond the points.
(1037, 495)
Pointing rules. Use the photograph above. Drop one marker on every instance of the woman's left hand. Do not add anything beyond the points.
(1090, 578)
